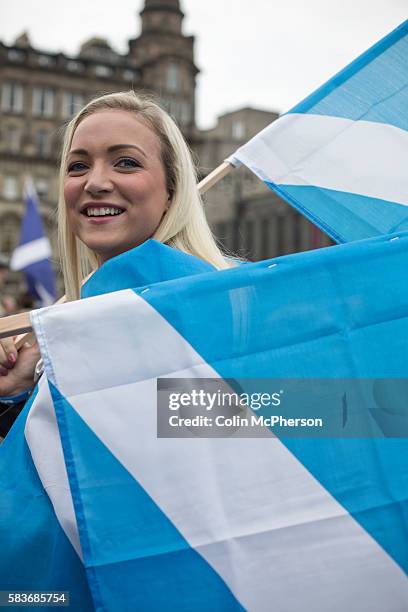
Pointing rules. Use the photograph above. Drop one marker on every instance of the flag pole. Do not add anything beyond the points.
(15, 324)
(20, 324)
(216, 175)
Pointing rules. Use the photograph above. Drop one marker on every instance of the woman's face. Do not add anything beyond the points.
(115, 183)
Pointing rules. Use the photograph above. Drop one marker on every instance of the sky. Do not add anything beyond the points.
(266, 54)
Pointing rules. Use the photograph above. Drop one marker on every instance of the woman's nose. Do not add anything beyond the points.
(98, 181)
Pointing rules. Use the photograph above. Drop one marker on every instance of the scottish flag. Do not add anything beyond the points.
(33, 255)
(98, 505)
(340, 156)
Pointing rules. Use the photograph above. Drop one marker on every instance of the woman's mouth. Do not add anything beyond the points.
(102, 211)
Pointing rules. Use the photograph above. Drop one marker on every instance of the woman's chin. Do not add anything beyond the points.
(104, 251)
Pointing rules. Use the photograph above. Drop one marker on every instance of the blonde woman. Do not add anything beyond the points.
(126, 176)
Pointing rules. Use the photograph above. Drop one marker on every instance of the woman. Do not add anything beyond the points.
(126, 176)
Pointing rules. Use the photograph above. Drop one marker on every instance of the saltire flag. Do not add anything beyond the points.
(95, 503)
(33, 255)
(340, 156)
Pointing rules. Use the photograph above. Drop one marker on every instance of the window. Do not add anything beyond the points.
(41, 187)
(12, 97)
(42, 143)
(43, 101)
(129, 75)
(10, 187)
(46, 60)
(71, 103)
(238, 130)
(103, 71)
(15, 55)
(13, 138)
(74, 66)
(172, 77)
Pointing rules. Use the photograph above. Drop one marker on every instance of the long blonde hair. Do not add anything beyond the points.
(184, 226)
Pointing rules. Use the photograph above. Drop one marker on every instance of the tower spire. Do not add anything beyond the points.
(164, 16)
(162, 4)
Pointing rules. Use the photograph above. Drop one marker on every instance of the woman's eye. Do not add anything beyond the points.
(77, 167)
(128, 162)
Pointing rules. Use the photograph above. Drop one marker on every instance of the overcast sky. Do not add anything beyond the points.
(268, 54)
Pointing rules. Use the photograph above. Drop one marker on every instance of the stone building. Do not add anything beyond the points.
(247, 217)
(40, 91)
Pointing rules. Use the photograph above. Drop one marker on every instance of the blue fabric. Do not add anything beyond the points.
(35, 552)
(129, 545)
(31, 536)
(339, 312)
(373, 88)
(151, 262)
(332, 313)
(344, 216)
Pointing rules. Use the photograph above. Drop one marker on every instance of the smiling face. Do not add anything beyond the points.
(115, 184)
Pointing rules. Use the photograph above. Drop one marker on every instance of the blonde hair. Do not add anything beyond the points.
(184, 226)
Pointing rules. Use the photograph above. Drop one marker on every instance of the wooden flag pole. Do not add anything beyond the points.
(15, 324)
(20, 324)
(216, 175)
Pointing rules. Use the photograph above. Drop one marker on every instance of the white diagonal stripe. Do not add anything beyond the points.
(361, 157)
(256, 515)
(42, 435)
(30, 253)
(46, 298)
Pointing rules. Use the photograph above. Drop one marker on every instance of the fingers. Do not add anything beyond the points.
(21, 377)
(8, 355)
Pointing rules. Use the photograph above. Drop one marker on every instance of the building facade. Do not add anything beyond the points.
(40, 92)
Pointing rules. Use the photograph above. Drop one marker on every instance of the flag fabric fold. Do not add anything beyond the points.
(33, 255)
(232, 523)
(339, 157)
(36, 552)
(37, 518)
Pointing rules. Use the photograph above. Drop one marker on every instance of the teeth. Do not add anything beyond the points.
(102, 212)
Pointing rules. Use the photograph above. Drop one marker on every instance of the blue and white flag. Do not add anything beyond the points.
(341, 156)
(33, 255)
(125, 520)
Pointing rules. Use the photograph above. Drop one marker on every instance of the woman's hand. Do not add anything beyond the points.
(17, 367)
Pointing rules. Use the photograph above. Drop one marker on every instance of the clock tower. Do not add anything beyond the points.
(165, 57)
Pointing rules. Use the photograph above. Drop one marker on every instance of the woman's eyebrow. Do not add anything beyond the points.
(109, 149)
(78, 152)
(126, 146)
